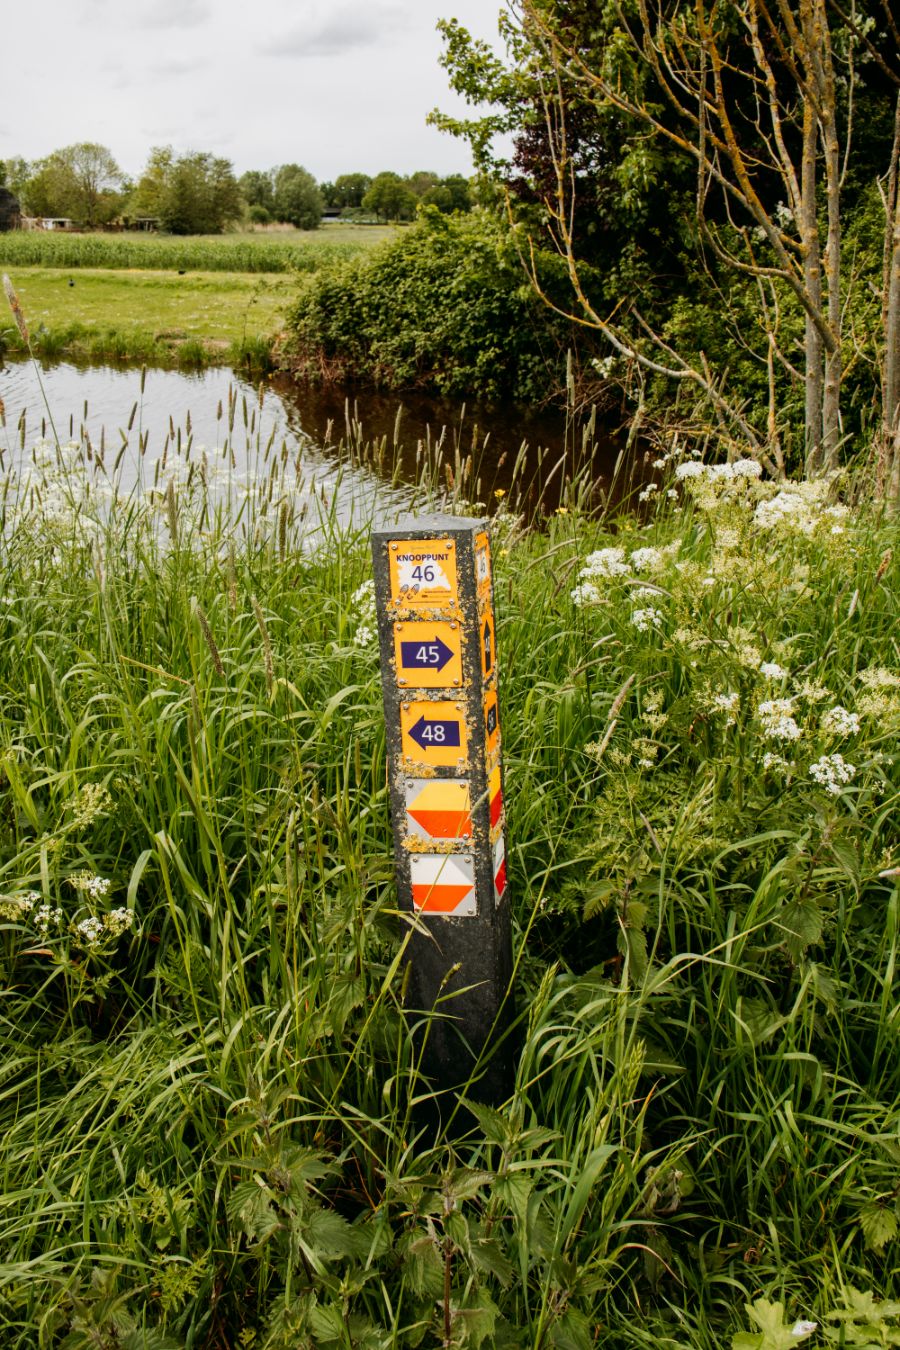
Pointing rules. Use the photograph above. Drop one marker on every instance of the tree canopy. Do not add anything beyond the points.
(194, 193)
(81, 181)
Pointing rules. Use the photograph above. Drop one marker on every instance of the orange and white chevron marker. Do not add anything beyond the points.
(443, 883)
(438, 808)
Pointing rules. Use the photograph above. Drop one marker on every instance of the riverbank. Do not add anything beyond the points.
(207, 1127)
(151, 317)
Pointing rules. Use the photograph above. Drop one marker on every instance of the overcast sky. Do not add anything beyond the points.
(334, 85)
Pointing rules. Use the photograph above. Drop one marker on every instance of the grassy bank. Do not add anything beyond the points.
(164, 300)
(207, 1134)
(156, 317)
(258, 251)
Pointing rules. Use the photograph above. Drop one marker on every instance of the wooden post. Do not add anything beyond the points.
(439, 674)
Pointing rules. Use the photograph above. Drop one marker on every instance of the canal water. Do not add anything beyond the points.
(357, 445)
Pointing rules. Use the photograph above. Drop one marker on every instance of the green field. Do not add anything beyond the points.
(163, 300)
(209, 1137)
(147, 315)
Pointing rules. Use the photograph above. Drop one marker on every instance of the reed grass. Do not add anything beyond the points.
(293, 251)
(208, 1111)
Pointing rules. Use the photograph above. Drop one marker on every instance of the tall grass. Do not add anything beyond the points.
(200, 253)
(208, 1103)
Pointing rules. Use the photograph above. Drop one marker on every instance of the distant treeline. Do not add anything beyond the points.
(198, 193)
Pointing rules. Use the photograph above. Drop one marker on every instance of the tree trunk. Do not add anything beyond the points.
(831, 403)
(890, 398)
(812, 275)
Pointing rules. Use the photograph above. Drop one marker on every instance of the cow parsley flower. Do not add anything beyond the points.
(832, 772)
(645, 619)
(839, 722)
(118, 921)
(777, 719)
(604, 562)
(585, 593)
(90, 931)
(773, 671)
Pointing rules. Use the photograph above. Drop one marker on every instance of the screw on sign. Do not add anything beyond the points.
(439, 666)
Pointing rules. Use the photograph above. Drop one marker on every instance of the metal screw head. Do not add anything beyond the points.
(401, 682)
(394, 547)
(456, 681)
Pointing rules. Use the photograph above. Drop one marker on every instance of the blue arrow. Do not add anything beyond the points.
(430, 732)
(432, 655)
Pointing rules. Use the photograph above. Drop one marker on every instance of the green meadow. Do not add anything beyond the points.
(165, 300)
(210, 1125)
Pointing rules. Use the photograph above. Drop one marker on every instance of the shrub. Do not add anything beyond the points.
(447, 306)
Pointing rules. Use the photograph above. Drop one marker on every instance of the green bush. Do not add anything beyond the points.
(446, 307)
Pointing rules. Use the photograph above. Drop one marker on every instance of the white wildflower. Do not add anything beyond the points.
(46, 918)
(832, 771)
(773, 762)
(90, 931)
(645, 619)
(773, 671)
(877, 677)
(777, 719)
(839, 722)
(649, 491)
(726, 704)
(691, 469)
(605, 562)
(118, 921)
(647, 559)
(90, 884)
(803, 1328)
(585, 593)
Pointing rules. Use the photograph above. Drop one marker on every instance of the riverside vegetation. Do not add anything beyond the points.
(208, 1133)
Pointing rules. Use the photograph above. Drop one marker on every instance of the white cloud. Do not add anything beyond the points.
(332, 32)
(173, 14)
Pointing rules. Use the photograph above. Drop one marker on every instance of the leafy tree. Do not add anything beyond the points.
(350, 188)
(258, 188)
(748, 110)
(81, 181)
(422, 181)
(195, 193)
(297, 198)
(390, 198)
(450, 194)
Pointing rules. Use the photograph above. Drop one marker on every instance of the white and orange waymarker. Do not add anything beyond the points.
(439, 661)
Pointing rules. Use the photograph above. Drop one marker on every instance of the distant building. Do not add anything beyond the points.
(10, 213)
(55, 223)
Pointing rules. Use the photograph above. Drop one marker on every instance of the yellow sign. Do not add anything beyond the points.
(428, 655)
(433, 733)
(482, 565)
(423, 572)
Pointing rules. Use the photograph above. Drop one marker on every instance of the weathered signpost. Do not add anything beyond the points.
(439, 674)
